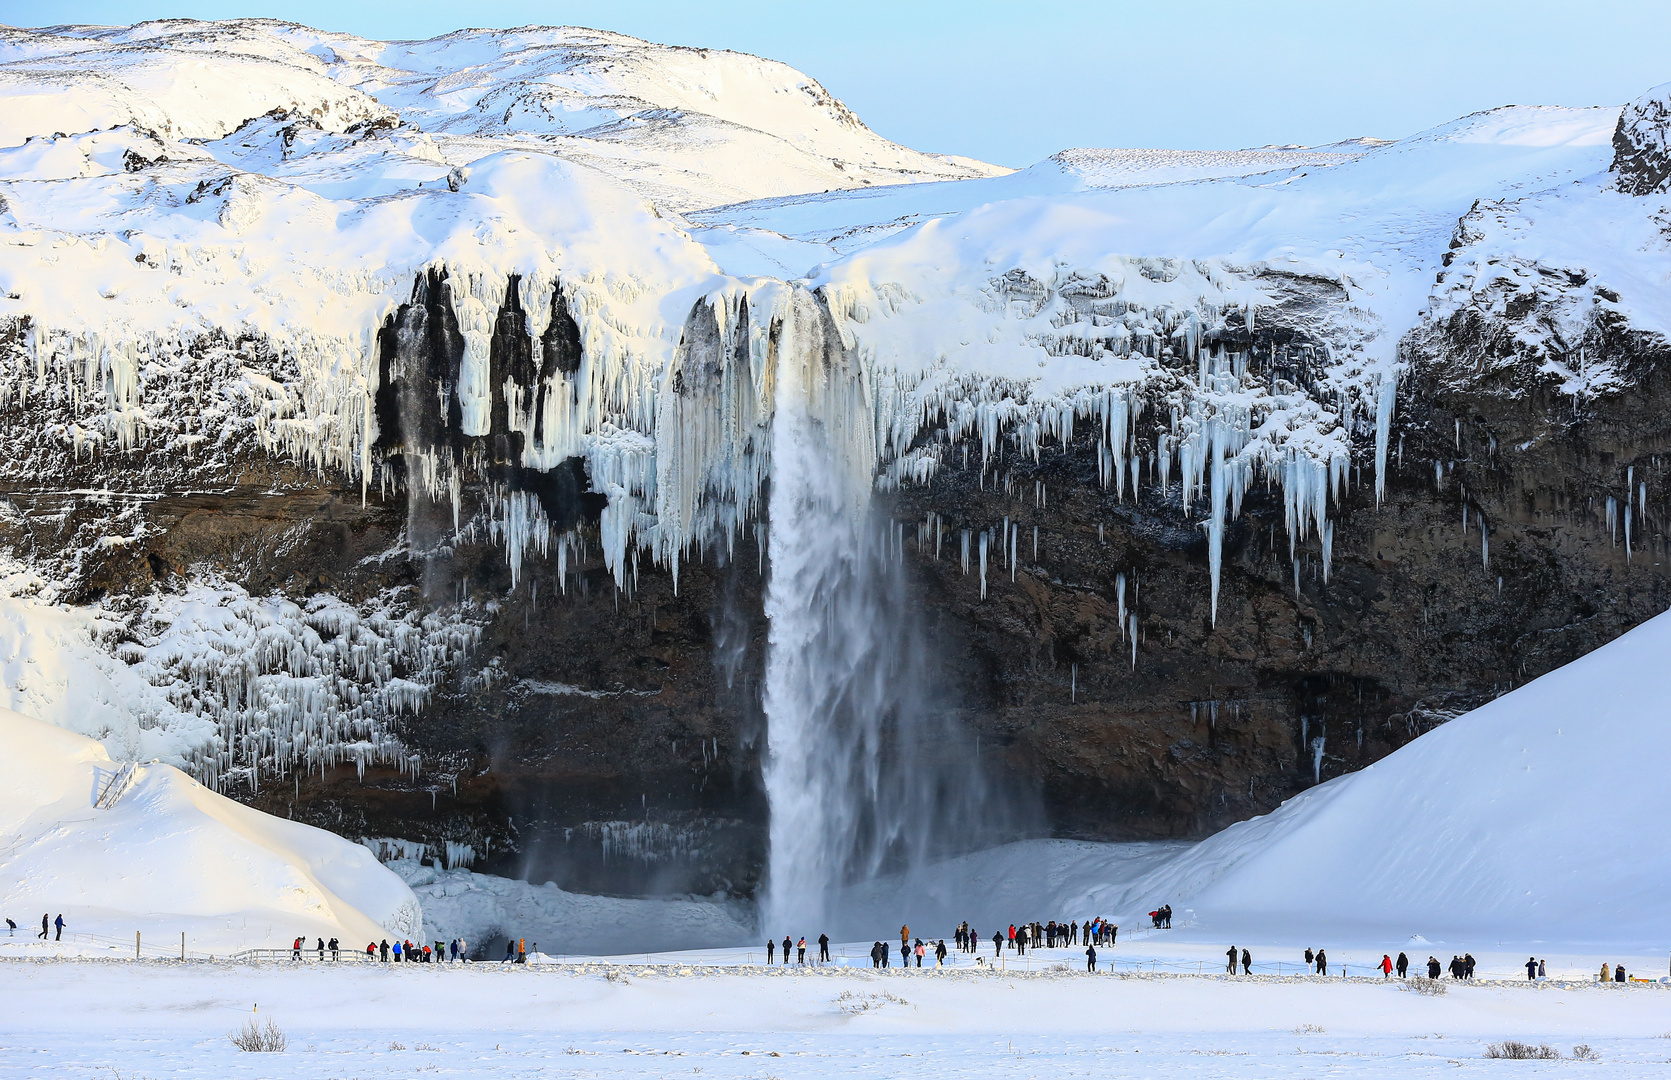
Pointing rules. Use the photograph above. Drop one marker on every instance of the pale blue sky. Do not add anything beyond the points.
(1014, 82)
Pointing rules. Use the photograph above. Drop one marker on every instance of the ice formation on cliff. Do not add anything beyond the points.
(492, 260)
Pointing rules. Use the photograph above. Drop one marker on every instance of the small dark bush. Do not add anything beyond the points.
(1519, 1051)
(259, 1040)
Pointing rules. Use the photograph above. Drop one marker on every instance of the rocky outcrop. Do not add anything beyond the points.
(1642, 144)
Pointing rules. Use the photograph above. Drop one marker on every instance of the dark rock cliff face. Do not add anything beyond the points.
(611, 739)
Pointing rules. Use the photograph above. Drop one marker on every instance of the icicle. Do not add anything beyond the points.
(1133, 631)
(983, 564)
(1120, 596)
(1035, 543)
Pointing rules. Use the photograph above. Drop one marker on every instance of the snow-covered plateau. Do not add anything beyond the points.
(543, 484)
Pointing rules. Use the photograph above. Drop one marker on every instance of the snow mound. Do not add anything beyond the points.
(118, 848)
(1536, 817)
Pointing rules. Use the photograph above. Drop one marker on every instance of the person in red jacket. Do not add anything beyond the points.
(1386, 965)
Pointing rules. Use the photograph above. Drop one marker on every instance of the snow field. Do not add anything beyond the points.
(157, 1019)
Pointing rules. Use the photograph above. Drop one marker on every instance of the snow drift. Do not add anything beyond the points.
(120, 847)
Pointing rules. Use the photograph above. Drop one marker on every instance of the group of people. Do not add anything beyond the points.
(408, 952)
(800, 949)
(1230, 958)
(300, 943)
(1162, 917)
(58, 922)
(921, 949)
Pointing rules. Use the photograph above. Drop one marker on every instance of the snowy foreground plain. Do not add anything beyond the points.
(157, 1018)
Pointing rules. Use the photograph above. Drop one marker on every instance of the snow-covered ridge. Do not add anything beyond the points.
(689, 126)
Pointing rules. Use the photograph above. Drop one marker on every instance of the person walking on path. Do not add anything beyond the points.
(1230, 960)
(59, 923)
(1403, 965)
(997, 943)
(1090, 958)
(823, 948)
(1310, 958)
(1433, 967)
(771, 951)
(1247, 962)
(1322, 962)
(940, 952)
(1386, 965)
(45, 922)
(920, 950)
(905, 954)
(1531, 969)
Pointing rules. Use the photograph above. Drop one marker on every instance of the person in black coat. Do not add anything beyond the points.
(1403, 965)
(1247, 962)
(1090, 958)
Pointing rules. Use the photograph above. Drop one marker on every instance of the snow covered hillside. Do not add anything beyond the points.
(334, 113)
(117, 848)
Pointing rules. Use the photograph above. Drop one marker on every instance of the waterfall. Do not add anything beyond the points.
(865, 771)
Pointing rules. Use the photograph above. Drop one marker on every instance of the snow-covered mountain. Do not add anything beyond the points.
(345, 116)
(340, 378)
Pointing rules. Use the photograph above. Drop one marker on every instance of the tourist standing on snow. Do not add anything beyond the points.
(1542, 973)
(771, 951)
(905, 954)
(1247, 962)
(1433, 967)
(1386, 965)
(1090, 958)
(800, 952)
(1531, 969)
(939, 952)
(59, 923)
(823, 948)
(1403, 965)
(787, 945)
(920, 950)
(1310, 958)
(1230, 960)
(1322, 962)
(384, 949)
